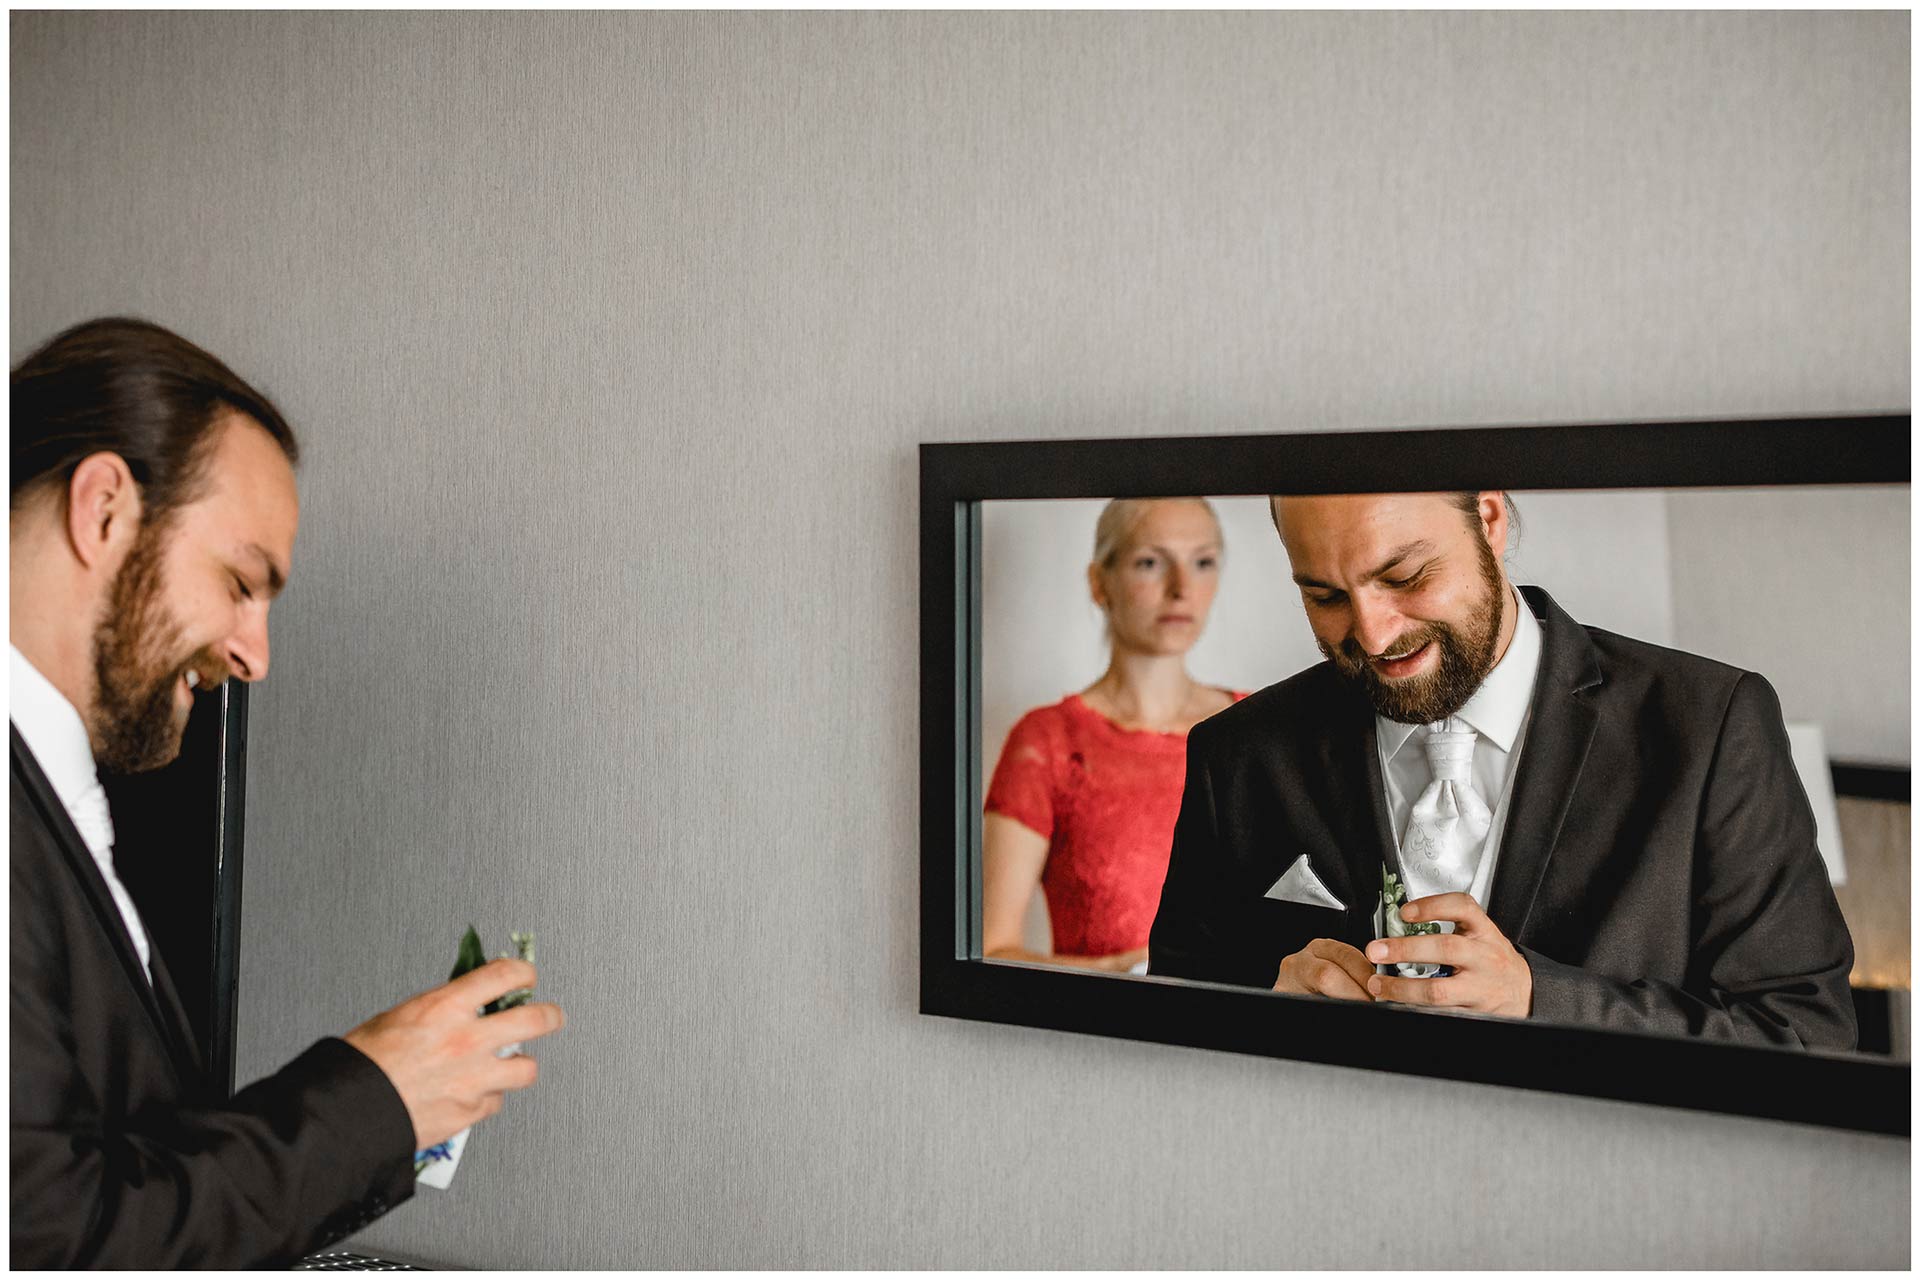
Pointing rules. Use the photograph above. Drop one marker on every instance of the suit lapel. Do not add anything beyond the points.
(185, 1046)
(1551, 761)
(165, 1012)
(1357, 794)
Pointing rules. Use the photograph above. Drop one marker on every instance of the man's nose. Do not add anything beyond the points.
(247, 649)
(1376, 624)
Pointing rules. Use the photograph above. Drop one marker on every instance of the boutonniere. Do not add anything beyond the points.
(435, 1165)
(1392, 894)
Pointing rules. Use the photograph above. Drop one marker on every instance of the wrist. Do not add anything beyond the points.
(1522, 1004)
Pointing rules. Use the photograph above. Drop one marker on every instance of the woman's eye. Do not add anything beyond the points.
(241, 583)
(1145, 562)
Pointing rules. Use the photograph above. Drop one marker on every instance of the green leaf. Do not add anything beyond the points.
(472, 955)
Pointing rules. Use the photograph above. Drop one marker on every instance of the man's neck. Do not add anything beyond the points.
(50, 618)
(1509, 619)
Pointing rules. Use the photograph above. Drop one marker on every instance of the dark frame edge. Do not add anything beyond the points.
(1790, 1086)
(231, 805)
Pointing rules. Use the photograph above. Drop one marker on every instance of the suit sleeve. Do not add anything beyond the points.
(290, 1164)
(1771, 952)
(1200, 930)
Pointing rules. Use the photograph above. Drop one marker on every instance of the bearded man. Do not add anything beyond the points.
(151, 526)
(1583, 828)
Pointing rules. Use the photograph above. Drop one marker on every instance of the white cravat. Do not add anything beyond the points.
(1449, 823)
(57, 738)
(1498, 713)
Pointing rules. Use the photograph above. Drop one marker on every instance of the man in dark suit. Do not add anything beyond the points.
(1606, 832)
(152, 522)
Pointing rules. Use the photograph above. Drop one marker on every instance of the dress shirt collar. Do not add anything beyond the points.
(1498, 708)
(57, 737)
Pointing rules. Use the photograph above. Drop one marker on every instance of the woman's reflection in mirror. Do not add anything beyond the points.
(1086, 792)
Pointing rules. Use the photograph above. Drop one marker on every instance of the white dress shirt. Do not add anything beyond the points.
(57, 737)
(1498, 713)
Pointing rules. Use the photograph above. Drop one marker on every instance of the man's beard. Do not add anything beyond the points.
(1466, 656)
(135, 724)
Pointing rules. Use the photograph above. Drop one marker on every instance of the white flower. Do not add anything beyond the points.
(1392, 895)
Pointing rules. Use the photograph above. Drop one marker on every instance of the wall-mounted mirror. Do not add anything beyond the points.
(1163, 773)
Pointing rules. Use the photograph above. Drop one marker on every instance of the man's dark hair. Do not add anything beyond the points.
(1468, 501)
(131, 388)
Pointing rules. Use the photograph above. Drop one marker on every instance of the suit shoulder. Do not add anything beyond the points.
(1679, 690)
(1302, 699)
(1625, 656)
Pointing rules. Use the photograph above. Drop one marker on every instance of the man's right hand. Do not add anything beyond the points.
(1326, 967)
(440, 1053)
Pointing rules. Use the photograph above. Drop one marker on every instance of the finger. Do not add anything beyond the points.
(522, 1023)
(1344, 955)
(1426, 949)
(1462, 909)
(1445, 993)
(1328, 979)
(491, 981)
(515, 1072)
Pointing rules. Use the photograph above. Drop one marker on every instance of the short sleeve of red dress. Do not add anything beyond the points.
(1023, 781)
(1106, 799)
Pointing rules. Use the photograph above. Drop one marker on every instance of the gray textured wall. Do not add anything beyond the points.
(611, 338)
(1810, 589)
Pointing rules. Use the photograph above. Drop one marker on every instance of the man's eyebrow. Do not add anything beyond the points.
(1419, 546)
(275, 579)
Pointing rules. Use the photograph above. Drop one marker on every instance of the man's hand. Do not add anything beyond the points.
(1326, 967)
(441, 1055)
(1489, 975)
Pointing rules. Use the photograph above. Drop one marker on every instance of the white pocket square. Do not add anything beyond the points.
(1299, 885)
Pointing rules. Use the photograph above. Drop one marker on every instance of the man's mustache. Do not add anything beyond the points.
(1356, 657)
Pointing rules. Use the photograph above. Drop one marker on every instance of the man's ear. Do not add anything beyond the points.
(103, 509)
(1493, 520)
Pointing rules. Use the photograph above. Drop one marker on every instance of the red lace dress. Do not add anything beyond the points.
(1106, 799)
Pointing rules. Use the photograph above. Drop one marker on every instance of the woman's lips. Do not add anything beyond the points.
(1395, 669)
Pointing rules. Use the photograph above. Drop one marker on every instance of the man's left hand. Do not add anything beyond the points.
(1489, 974)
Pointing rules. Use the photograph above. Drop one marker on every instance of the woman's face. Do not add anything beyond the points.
(1158, 589)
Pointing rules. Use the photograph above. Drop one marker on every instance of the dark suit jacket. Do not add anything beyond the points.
(120, 1157)
(1658, 869)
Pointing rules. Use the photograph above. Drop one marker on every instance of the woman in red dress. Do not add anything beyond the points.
(1084, 798)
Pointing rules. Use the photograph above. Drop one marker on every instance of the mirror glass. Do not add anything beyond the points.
(1807, 586)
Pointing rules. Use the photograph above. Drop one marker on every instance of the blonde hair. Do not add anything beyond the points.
(1119, 517)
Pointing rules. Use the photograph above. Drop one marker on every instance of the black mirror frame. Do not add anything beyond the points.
(1851, 1093)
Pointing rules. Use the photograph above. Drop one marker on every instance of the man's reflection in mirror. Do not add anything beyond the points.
(1083, 801)
(1477, 803)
